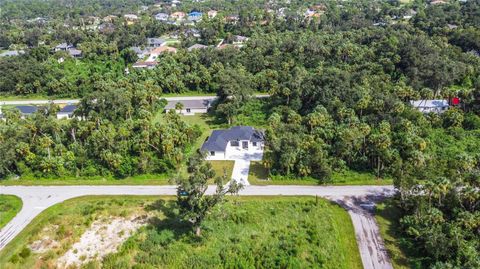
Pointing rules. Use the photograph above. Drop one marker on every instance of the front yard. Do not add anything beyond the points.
(258, 175)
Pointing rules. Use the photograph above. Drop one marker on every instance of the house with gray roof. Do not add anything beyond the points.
(63, 47)
(10, 53)
(435, 106)
(75, 53)
(162, 16)
(141, 52)
(66, 112)
(239, 142)
(189, 107)
(197, 46)
(154, 42)
(27, 110)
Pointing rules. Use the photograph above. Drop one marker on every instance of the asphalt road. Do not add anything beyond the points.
(75, 101)
(353, 198)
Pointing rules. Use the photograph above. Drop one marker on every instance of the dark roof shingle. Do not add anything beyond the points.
(219, 139)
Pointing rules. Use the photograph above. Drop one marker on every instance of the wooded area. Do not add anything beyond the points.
(340, 87)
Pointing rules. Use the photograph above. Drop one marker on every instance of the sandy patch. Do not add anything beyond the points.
(43, 245)
(102, 238)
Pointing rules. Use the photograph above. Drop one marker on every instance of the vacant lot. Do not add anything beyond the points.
(387, 216)
(250, 232)
(9, 207)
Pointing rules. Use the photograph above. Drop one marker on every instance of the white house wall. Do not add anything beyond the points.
(235, 153)
(192, 112)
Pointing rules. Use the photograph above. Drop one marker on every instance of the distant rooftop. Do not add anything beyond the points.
(429, 103)
(27, 109)
(189, 104)
(68, 109)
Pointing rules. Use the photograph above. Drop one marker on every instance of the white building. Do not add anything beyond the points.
(190, 107)
(236, 143)
(66, 112)
(427, 106)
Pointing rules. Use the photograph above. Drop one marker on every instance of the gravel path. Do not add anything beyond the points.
(352, 198)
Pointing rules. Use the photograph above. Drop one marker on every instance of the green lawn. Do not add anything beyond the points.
(10, 205)
(387, 216)
(223, 166)
(247, 232)
(163, 179)
(258, 175)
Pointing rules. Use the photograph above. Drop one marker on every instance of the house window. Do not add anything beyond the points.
(212, 153)
(234, 143)
(188, 110)
(254, 144)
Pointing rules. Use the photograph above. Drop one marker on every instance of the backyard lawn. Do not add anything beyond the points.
(10, 205)
(246, 232)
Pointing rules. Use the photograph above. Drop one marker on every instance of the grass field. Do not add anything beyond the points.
(258, 175)
(10, 205)
(223, 166)
(163, 179)
(247, 232)
(387, 216)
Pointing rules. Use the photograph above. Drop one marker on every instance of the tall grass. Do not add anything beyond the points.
(246, 232)
(10, 205)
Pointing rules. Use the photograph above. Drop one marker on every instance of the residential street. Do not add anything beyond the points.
(353, 198)
(75, 101)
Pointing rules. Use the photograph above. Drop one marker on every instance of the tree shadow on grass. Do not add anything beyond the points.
(172, 220)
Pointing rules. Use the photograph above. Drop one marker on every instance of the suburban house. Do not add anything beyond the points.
(141, 53)
(63, 47)
(75, 53)
(194, 16)
(110, 18)
(239, 40)
(212, 13)
(178, 15)
(145, 64)
(66, 112)
(427, 106)
(11, 53)
(196, 47)
(239, 142)
(189, 107)
(151, 62)
(130, 17)
(160, 50)
(26, 110)
(162, 17)
(70, 49)
(155, 42)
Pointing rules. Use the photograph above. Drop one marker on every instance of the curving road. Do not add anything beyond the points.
(355, 199)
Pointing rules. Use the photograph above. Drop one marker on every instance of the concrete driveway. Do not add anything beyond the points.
(240, 172)
(370, 244)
